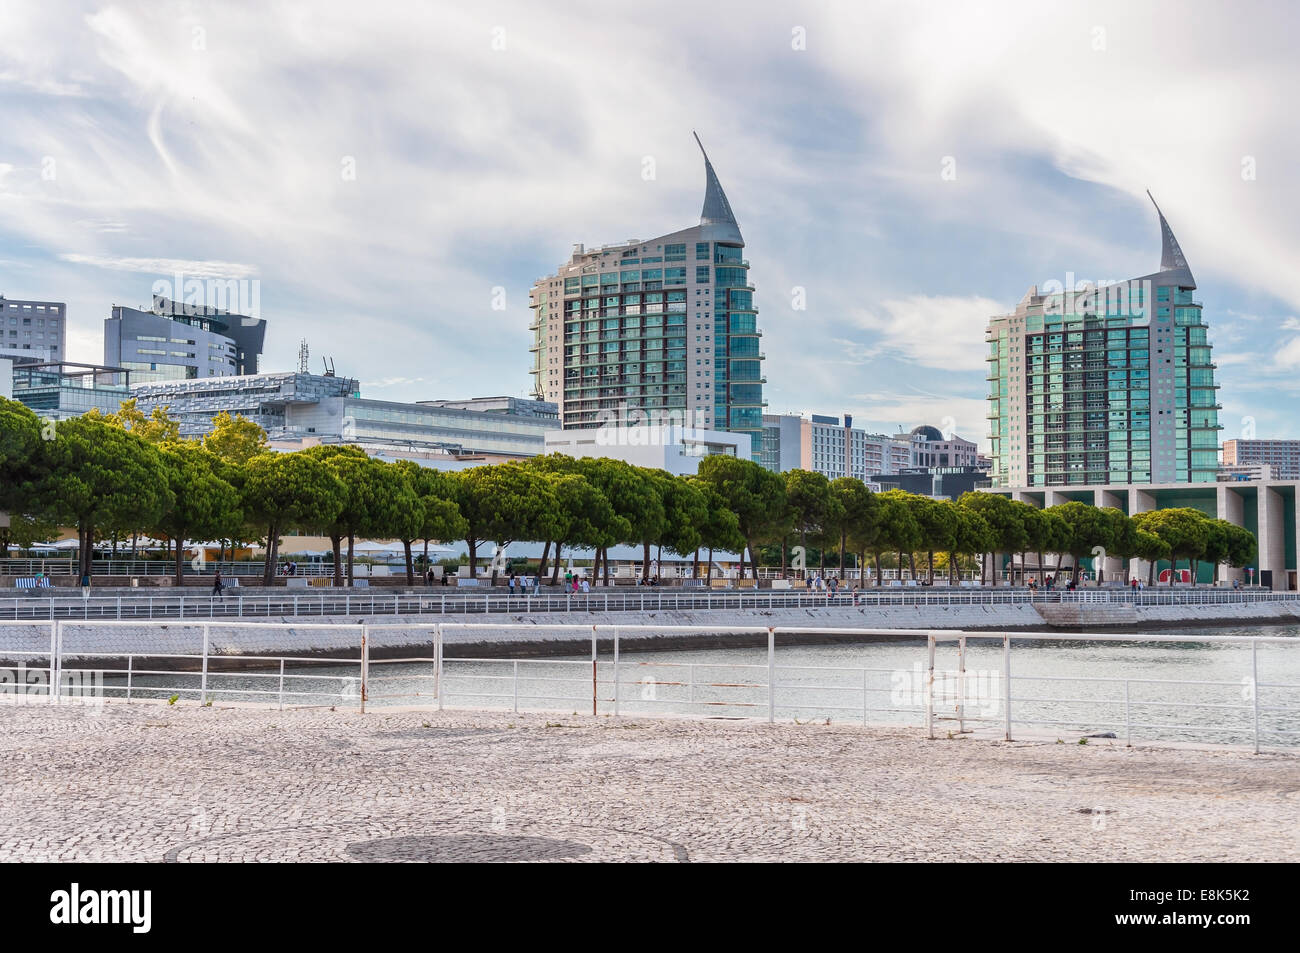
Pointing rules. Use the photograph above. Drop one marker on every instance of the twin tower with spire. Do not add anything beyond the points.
(1103, 383)
(661, 330)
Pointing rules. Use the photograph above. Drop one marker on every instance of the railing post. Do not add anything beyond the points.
(615, 671)
(1254, 685)
(119, 608)
(365, 663)
(437, 654)
(54, 668)
(771, 674)
(929, 688)
(1006, 681)
(961, 684)
(281, 691)
(203, 680)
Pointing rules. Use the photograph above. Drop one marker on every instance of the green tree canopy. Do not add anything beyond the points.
(204, 506)
(756, 495)
(289, 490)
(98, 475)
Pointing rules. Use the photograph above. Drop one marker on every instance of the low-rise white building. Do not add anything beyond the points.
(678, 450)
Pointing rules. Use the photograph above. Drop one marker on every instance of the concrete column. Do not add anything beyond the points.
(1022, 496)
(1140, 501)
(1272, 544)
(1229, 506)
(1054, 497)
(1112, 566)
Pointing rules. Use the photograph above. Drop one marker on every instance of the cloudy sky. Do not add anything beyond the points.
(385, 170)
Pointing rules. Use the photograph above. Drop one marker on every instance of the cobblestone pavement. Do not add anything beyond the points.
(150, 782)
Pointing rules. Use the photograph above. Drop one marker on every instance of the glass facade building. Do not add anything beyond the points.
(1105, 384)
(662, 331)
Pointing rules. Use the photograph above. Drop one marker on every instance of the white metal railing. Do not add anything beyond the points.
(236, 603)
(614, 684)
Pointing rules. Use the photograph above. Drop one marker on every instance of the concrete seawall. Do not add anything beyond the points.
(521, 634)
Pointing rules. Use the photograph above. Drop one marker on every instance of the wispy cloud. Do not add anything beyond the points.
(941, 332)
(164, 266)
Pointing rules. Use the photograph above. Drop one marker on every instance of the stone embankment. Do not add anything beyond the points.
(553, 633)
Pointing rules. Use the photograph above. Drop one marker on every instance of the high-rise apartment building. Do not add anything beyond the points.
(34, 326)
(662, 330)
(1282, 456)
(1105, 383)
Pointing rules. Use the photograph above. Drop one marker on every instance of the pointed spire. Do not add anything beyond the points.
(717, 210)
(1171, 255)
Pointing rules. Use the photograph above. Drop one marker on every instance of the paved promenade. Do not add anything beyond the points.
(150, 782)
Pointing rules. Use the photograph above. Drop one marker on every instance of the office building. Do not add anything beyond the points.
(1283, 456)
(1106, 383)
(663, 330)
(175, 341)
(60, 389)
(34, 326)
(322, 408)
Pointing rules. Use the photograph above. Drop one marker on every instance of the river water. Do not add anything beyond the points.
(1188, 691)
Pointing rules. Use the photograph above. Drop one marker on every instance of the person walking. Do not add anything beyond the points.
(568, 579)
(217, 587)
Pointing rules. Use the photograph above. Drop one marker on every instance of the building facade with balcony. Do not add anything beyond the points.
(833, 447)
(662, 331)
(1281, 456)
(1100, 384)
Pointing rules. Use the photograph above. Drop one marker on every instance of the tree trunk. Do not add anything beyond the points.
(695, 565)
(708, 570)
(426, 557)
(1040, 568)
(473, 557)
(783, 563)
(268, 561)
(546, 555)
(930, 557)
(1196, 565)
(410, 566)
(180, 566)
(351, 554)
(555, 571)
(844, 541)
(336, 544)
(1151, 573)
(876, 557)
(645, 561)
